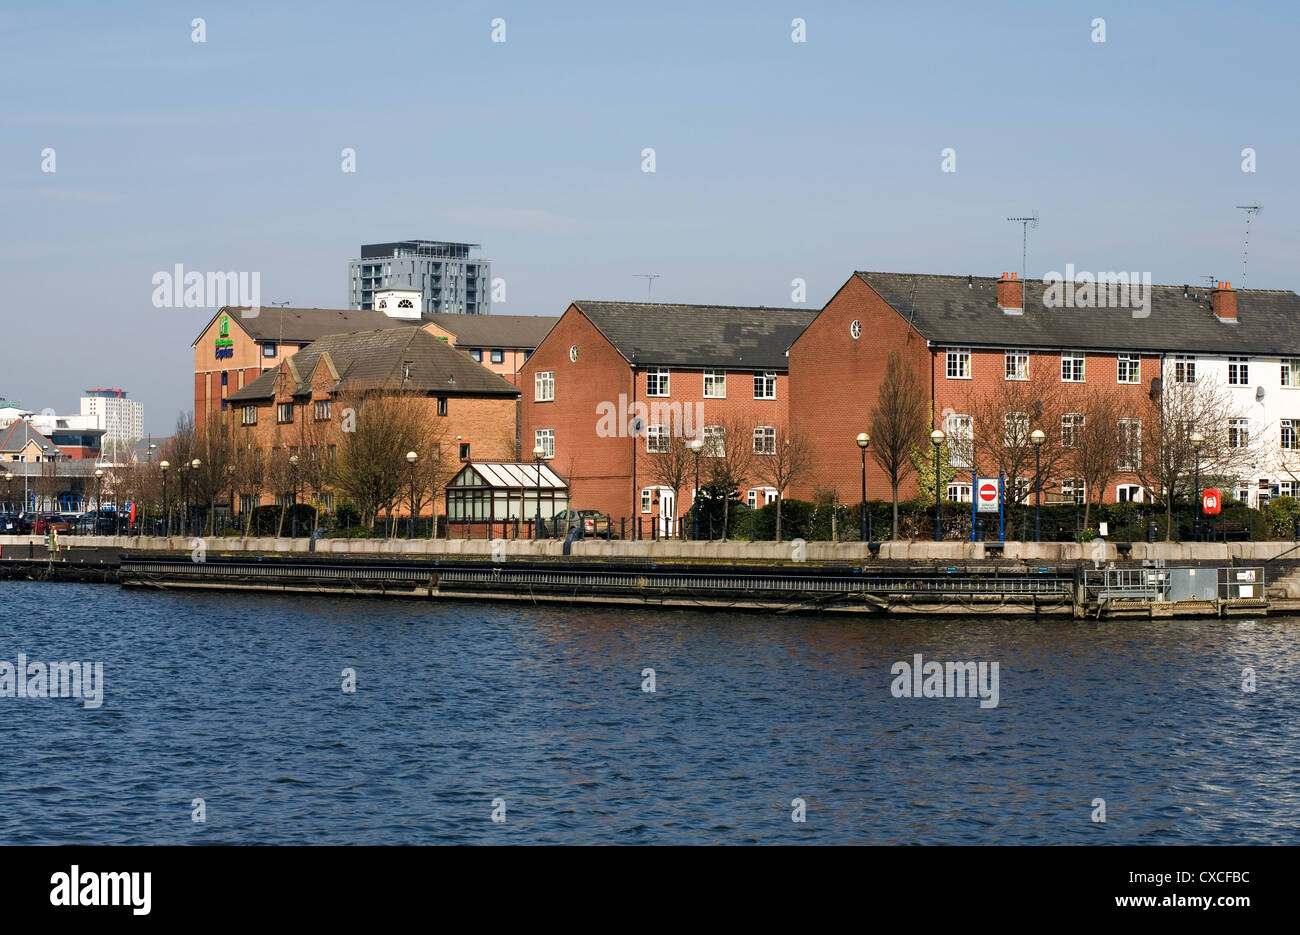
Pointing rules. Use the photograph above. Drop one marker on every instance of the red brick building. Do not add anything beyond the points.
(612, 380)
(502, 343)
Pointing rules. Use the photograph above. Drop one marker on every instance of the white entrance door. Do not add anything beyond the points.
(667, 513)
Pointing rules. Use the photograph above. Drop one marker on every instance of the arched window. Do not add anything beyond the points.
(405, 303)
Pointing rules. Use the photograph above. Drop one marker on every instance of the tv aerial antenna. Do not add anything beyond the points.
(1026, 223)
(1251, 211)
(649, 281)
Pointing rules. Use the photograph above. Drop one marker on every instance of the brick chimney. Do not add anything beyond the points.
(1011, 294)
(1224, 302)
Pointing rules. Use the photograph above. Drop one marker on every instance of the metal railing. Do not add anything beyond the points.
(1127, 584)
(1241, 584)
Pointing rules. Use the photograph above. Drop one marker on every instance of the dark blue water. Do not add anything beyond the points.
(237, 700)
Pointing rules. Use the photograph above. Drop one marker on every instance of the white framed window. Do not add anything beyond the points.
(751, 499)
(1128, 368)
(1016, 365)
(1238, 371)
(958, 363)
(715, 384)
(1238, 433)
(958, 493)
(1130, 444)
(656, 381)
(1128, 493)
(961, 435)
(1072, 489)
(1071, 429)
(765, 440)
(1072, 366)
(1288, 429)
(765, 384)
(1291, 372)
(1184, 368)
(1286, 488)
(1017, 429)
(714, 442)
(544, 386)
(546, 439)
(1021, 489)
(647, 499)
(657, 439)
(855, 329)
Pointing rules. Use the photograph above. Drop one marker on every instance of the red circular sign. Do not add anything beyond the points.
(988, 492)
(1211, 502)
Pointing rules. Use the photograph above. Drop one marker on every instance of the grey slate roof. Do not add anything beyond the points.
(15, 437)
(698, 336)
(301, 325)
(375, 359)
(946, 310)
(495, 330)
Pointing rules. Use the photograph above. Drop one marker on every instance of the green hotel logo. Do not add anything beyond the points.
(225, 347)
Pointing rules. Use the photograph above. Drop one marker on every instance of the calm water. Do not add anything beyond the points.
(237, 700)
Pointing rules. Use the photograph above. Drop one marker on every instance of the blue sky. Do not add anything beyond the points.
(774, 159)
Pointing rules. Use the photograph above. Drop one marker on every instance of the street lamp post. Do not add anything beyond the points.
(99, 486)
(538, 454)
(411, 458)
(937, 439)
(194, 479)
(1037, 437)
(167, 517)
(696, 445)
(864, 523)
(9, 479)
(293, 496)
(1198, 441)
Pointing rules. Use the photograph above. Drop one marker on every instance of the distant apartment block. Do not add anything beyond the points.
(449, 280)
(121, 419)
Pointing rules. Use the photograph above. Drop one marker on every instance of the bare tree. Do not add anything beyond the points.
(1159, 447)
(1002, 424)
(1092, 445)
(669, 463)
(781, 464)
(729, 447)
(898, 421)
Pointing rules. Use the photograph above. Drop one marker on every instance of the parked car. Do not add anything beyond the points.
(47, 521)
(85, 523)
(14, 524)
(592, 523)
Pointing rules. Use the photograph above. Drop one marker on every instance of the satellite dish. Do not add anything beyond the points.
(47, 411)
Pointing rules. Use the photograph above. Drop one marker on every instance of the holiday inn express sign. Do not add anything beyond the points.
(225, 347)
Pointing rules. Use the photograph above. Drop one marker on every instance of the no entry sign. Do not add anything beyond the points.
(986, 495)
(1211, 502)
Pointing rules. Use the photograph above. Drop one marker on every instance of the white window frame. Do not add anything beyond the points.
(1239, 371)
(1132, 363)
(1238, 433)
(545, 438)
(1289, 431)
(1184, 368)
(960, 429)
(647, 499)
(1020, 422)
(715, 441)
(1128, 493)
(768, 380)
(1072, 424)
(544, 386)
(1069, 360)
(657, 381)
(765, 440)
(1015, 364)
(957, 363)
(958, 492)
(1289, 373)
(657, 439)
(1074, 488)
(715, 384)
(1128, 448)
